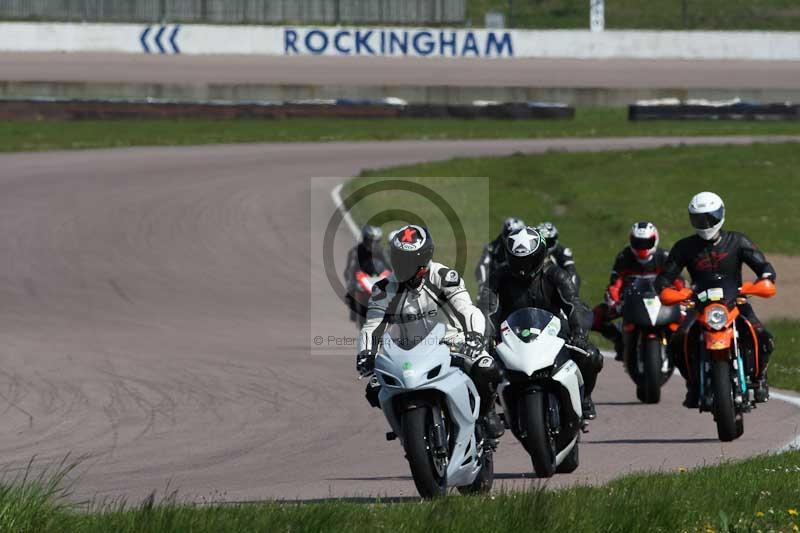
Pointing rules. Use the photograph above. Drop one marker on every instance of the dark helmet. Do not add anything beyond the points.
(549, 233)
(410, 253)
(526, 252)
(510, 224)
(371, 234)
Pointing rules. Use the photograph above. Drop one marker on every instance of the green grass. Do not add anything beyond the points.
(781, 15)
(730, 497)
(594, 199)
(593, 122)
(784, 368)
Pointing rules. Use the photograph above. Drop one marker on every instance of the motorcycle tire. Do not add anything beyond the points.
(538, 440)
(724, 408)
(649, 390)
(416, 424)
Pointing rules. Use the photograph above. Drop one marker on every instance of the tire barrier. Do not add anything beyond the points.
(708, 110)
(69, 109)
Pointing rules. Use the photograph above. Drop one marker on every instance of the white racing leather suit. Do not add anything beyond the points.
(441, 298)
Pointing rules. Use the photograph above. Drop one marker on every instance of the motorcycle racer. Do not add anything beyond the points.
(420, 293)
(712, 252)
(529, 280)
(494, 253)
(368, 257)
(641, 258)
(558, 253)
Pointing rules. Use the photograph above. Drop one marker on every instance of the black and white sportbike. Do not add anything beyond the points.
(646, 326)
(542, 392)
(433, 406)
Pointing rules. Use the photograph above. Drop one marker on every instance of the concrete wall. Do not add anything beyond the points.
(276, 40)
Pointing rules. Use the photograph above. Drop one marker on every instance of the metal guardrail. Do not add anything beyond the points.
(413, 12)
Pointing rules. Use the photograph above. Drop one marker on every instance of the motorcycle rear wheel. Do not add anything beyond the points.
(538, 441)
(724, 408)
(419, 452)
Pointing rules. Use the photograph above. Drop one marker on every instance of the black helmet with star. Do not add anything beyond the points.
(526, 252)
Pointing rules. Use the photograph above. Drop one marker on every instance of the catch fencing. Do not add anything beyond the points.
(408, 12)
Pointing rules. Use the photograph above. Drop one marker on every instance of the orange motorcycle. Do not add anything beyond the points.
(727, 347)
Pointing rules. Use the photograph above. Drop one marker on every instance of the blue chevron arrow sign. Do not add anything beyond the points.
(152, 39)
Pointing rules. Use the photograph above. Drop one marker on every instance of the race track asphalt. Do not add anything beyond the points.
(377, 71)
(155, 319)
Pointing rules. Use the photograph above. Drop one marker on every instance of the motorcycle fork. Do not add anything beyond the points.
(438, 432)
(553, 413)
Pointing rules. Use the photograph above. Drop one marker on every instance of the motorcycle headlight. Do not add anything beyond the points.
(716, 318)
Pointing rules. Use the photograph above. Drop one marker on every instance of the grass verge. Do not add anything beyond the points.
(757, 494)
(590, 122)
(594, 198)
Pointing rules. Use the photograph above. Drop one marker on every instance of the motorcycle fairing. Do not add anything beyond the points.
(410, 370)
(528, 357)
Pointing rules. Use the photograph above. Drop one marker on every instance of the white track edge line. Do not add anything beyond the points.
(336, 196)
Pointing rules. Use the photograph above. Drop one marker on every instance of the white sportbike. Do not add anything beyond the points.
(433, 406)
(542, 392)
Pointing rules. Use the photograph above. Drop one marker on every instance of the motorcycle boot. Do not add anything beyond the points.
(692, 398)
(761, 389)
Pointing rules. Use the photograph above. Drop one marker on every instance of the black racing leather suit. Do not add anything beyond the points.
(722, 256)
(492, 258)
(369, 259)
(550, 289)
(564, 258)
(626, 269)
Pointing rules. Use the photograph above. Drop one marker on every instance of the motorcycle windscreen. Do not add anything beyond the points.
(419, 337)
(530, 340)
(527, 323)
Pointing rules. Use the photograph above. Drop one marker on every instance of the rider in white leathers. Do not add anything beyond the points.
(419, 294)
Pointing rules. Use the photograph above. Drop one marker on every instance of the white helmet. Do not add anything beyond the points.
(644, 240)
(707, 214)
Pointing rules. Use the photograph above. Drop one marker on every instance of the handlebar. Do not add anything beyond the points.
(764, 288)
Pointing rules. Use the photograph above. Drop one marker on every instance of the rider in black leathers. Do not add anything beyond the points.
(723, 253)
(367, 256)
(494, 253)
(528, 280)
(642, 258)
(559, 254)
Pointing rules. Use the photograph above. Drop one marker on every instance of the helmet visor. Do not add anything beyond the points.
(406, 265)
(707, 220)
(638, 243)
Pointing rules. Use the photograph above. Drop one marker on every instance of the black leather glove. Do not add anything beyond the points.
(365, 363)
(474, 344)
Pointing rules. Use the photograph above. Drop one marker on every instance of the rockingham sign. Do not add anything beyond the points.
(207, 39)
(397, 42)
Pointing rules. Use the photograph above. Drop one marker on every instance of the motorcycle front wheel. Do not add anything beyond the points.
(650, 380)
(430, 475)
(724, 407)
(538, 440)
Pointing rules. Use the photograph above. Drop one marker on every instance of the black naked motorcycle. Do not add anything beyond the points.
(646, 326)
